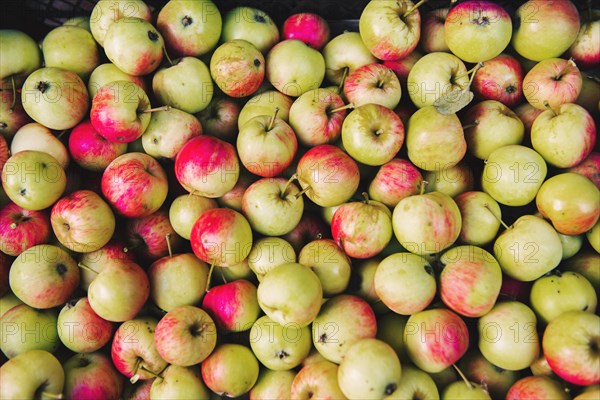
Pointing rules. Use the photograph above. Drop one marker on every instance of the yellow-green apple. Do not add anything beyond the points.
(220, 117)
(372, 134)
(310, 28)
(480, 217)
(470, 280)
(435, 339)
(113, 252)
(11, 117)
(185, 210)
(310, 227)
(177, 280)
(370, 370)
(231, 370)
(395, 180)
(465, 390)
(426, 223)
(584, 263)
(432, 31)
(269, 252)
(279, 347)
(207, 166)
(44, 276)
(434, 140)
(168, 131)
(509, 325)
(274, 385)
(92, 151)
(82, 21)
(134, 45)
(265, 103)
(237, 67)
(414, 384)
(593, 237)
(570, 215)
(290, 294)
(318, 380)
(552, 82)
(233, 306)
(491, 125)
(190, 28)
(107, 73)
(8, 301)
(434, 75)
(343, 54)
(317, 116)
(31, 374)
(570, 344)
(373, 83)
(133, 351)
(562, 150)
(500, 79)
(82, 221)
(328, 175)
(58, 46)
(55, 97)
(185, 336)
(21, 229)
(250, 24)
(80, 329)
(390, 30)
(537, 387)
(105, 12)
(588, 393)
(342, 321)
(477, 368)
(34, 136)
(185, 84)
(236, 272)
(92, 376)
(294, 68)
(584, 49)
(151, 237)
(330, 263)
(545, 29)
(513, 174)
(135, 185)
(177, 382)
(20, 56)
(477, 30)
(396, 279)
(119, 291)
(451, 181)
(266, 145)
(589, 97)
(590, 168)
(570, 244)
(25, 328)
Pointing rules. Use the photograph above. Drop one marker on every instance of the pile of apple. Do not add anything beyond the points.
(199, 203)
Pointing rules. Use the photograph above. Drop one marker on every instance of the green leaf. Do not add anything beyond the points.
(453, 101)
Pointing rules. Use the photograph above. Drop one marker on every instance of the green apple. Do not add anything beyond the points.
(25, 328)
(20, 56)
(317, 380)
(451, 181)
(105, 12)
(185, 210)
(593, 236)
(231, 370)
(508, 336)
(8, 301)
(177, 382)
(497, 381)
(33, 374)
(570, 244)
(513, 174)
(465, 391)
(34, 136)
(265, 103)
(414, 384)
(294, 68)
(107, 73)
(250, 24)
(82, 21)
(268, 253)
(274, 385)
(329, 262)
(343, 54)
(168, 131)
(71, 48)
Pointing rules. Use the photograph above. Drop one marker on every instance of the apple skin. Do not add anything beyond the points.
(185, 210)
(21, 229)
(317, 380)
(220, 118)
(90, 150)
(329, 262)
(177, 382)
(537, 387)
(479, 224)
(500, 79)
(310, 28)
(58, 54)
(80, 329)
(149, 237)
(345, 52)
(38, 369)
(112, 253)
(451, 181)
(92, 376)
(497, 381)
(395, 180)
(569, 215)
(231, 370)
(590, 168)
(34, 136)
(25, 328)
(11, 121)
(190, 28)
(584, 50)
(432, 31)
(20, 56)
(250, 24)
(105, 13)
(554, 81)
(107, 73)
(238, 68)
(233, 306)
(373, 83)
(168, 131)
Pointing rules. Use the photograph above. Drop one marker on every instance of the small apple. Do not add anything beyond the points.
(268, 253)
(343, 54)
(265, 103)
(307, 27)
(432, 31)
(553, 81)
(373, 83)
(34, 136)
(151, 237)
(237, 67)
(220, 118)
(481, 217)
(395, 180)
(318, 380)
(185, 210)
(451, 181)
(500, 79)
(177, 382)
(329, 262)
(294, 68)
(92, 151)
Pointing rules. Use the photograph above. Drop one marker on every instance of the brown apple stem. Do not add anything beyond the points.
(210, 271)
(168, 239)
(471, 72)
(83, 266)
(200, 329)
(14, 91)
(167, 56)
(471, 125)
(569, 63)
(423, 185)
(161, 108)
(486, 205)
(139, 366)
(343, 81)
(365, 196)
(272, 120)
(287, 184)
(300, 193)
(350, 105)
(222, 275)
(52, 395)
(547, 105)
(464, 378)
(413, 8)
(474, 71)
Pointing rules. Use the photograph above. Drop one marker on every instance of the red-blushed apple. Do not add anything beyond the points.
(168, 131)
(135, 185)
(584, 262)
(527, 113)
(21, 229)
(584, 49)
(220, 117)
(435, 339)
(432, 31)
(231, 370)
(90, 150)
(590, 168)
(537, 387)
(11, 117)
(185, 336)
(497, 381)
(33, 373)
(138, 391)
(309, 228)
(152, 237)
(92, 376)
(44, 276)
(80, 329)
(35, 136)
(395, 180)
(318, 380)
(310, 28)
(481, 217)
(113, 252)
(274, 385)
(233, 306)
(207, 166)
(133, 351)
(329, 262)
(500, 79)
(25, 328)
(553, 81)
(373, 83)
(328, 175)
(237, 67)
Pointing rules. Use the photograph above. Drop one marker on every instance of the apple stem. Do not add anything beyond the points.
(52, 395)
(300, 193)
(343, 81)
(161, 108)
(168, 239)
(365, 195)
(167, 56)
(570, 63)
(14, 92)
(350, 105)
(13, 225)
(474, 71)
(287, 184)
(83, 266)
(413, 8)
(464, 378)
(222, 275)
(471, 71)
(547, 105)
(272, 120)
(423, 185)
(471, 125)
(210, 271)
(486, 205)
(136, 376)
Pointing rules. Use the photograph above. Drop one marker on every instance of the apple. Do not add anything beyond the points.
(432, 31)
(537, 387)
(593, 237)
(33, 373)
(22, 229)
(250, 24)
(12, 117)
(500, 79)
(310, 227)
(112, 253)
(390, 329)
(56, 54)
(552, 82)
(185, 210)
(25, 328)
(318, 380)
(343, 54)
(496, 381)
(139, 390)
(152, 236)
(373, 83)
(190, 28)
(583, 50)
(545, 30)
(481, 217)
(268, 253)
(92, 151)
(569, 215)
(329, 262)
(233, 306)
(34, 136)
(451, 181)
(8, 301)
(465, 390)
(294, 68)
(265, 103)
(168, 131)
(237, 67)
(231, 370)
(44, 276)
(395, 180)
(590, 168)
(185, 336)
(177, 280)
(414, 383)
(220, 118)
(105, 13)
(177, 382)
(92, 375)
(80, 329)
(20, 57)
(307, 27)
(107, 73)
